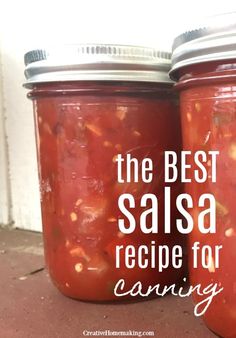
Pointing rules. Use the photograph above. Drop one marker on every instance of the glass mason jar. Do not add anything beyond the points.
(204, 62)
(92, 103)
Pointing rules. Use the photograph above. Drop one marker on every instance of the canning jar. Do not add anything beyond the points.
(91, 103)
(204, 62)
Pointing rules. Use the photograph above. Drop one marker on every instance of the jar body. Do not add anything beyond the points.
(80, 129)
(208, 113)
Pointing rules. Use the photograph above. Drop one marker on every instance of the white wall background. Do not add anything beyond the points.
(5, 202)
(25, 25)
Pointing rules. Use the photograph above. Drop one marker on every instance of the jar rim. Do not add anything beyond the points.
(96, 62)
(213, 42)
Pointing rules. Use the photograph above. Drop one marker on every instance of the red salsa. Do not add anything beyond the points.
(79, 137)
(208, 110)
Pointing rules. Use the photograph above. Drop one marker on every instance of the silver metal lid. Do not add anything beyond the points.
(94, 62)
(210, 43)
